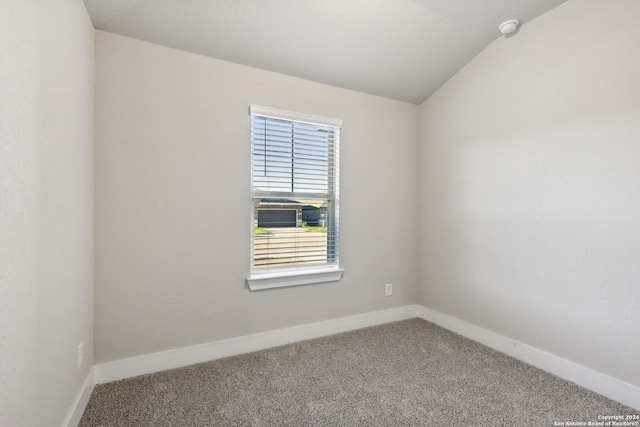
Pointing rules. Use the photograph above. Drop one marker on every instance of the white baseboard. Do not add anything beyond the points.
(605, 385)
(156, 362)
(80, 402)
(613, 388)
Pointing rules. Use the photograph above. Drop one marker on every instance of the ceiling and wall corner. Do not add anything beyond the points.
(398, 49)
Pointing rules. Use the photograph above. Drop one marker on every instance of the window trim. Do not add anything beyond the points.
(274, 113)
(290, 277)
(300, 275)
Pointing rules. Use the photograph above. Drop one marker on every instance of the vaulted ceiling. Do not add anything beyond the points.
(399, 49)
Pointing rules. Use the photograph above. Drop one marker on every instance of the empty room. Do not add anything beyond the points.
(319, 213)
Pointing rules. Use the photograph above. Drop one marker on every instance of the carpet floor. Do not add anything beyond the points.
(408, 373)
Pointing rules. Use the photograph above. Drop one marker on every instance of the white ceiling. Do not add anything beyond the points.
(399, 49)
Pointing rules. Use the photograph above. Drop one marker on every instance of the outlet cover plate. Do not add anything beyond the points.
(388, 289)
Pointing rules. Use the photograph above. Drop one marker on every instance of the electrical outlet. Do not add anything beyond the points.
(80, 354)
(388, 289)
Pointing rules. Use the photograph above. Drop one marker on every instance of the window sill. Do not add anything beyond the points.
(260, 281)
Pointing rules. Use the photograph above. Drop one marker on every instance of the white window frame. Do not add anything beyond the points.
(296, 275)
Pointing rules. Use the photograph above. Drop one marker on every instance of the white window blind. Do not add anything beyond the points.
(295, 191)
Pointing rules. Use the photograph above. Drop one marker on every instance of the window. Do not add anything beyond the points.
(294, 192)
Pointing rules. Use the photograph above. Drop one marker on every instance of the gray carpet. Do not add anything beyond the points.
(409, 373)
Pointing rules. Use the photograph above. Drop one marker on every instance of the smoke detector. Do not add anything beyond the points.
(508, 27)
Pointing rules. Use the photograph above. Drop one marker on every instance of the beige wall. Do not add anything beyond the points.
(46, 208)
(530, 188)
(172, 200)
